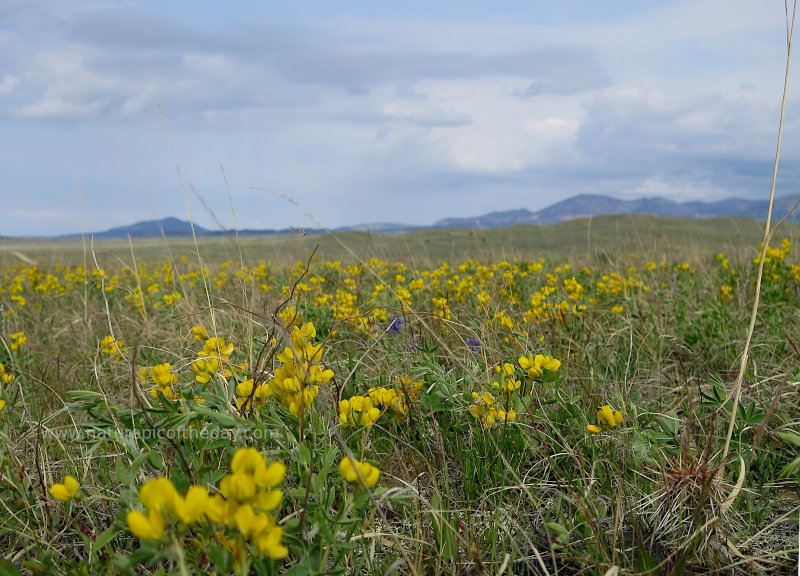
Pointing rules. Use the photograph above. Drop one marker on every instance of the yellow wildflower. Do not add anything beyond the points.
(146, 527)
(609, 417)
(162, 374)
(358, 410)
(112, 347)
(5, 377)
(66, 490)
(361, 475)
(269, 542)
(538, 365)
(158, 494)
(18, 339)
(193, 507)
(199, 333)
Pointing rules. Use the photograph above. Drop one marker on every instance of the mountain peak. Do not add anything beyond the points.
(169, 226)
(490, 220)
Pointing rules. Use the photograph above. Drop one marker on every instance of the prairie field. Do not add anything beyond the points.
(532, 400)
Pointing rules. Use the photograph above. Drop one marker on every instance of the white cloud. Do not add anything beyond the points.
(504, 134)
(147, 97)
(675, 190)
(59, 108)
(554, 131)
(699, 124)
(208, 64)
(424, 113)
(41, 214)
(8, 84)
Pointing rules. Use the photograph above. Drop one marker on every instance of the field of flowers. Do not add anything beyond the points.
(374, 417)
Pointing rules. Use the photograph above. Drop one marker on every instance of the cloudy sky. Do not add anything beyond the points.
(307, 113)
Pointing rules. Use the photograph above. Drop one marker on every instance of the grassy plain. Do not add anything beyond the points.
(470, 368)
(581, 238)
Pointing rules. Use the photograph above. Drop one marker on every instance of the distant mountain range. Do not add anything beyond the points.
(586, 205)
(581, 206)
(176, 228)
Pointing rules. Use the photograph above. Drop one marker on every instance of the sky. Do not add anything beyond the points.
(324, 114)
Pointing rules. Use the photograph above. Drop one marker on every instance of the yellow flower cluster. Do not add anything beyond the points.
(290, 316)
(112, 347)
(503, 320)
(360, 475)
(722, 259)
(608, 417)
(539, 366)
(358, 411)
(775, 254)
(441, 308)
(296, 381)
(248, 394)
(794, 270)
(5, 377)
(161, 501)
(18, 340)
(615, 283)
(170, 299)
(396, 399)
(199, 333)
(211, 359)
(246, 497)
(66, 490)
(508, 383)
(485, 409)
(365, 410)
(543, 308)
(163, 376)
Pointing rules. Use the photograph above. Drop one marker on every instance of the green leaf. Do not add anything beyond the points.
(561, 533)
(224, 420)
(7, 568)
(217, 444)
(83, 396)
(303, 455)
(648, 563)
(662, 438)
(138, 462)
(220, 557)
(105, 537)
(669, 425)
(790, 437)
(298, 570)
(124, 474)
(298, 492)
(156, 459)
(791, 469)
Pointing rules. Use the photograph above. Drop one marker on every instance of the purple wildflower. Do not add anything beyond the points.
(395, 325)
